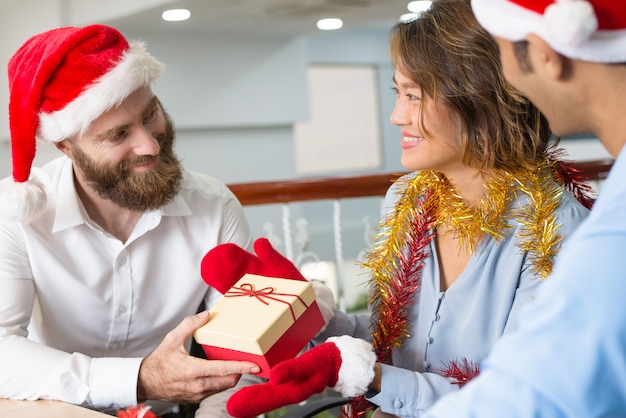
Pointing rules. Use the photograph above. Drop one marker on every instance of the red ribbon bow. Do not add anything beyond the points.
(247, 289)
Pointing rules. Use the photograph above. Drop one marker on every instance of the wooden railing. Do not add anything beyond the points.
(299, 190)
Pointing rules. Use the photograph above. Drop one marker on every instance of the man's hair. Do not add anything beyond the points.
(520, 49)
(457, 63)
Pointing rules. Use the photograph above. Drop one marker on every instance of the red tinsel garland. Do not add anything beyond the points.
(571, 178)
(461, 372)
(391, 313)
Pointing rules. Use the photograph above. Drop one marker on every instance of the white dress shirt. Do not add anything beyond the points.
(79, 309)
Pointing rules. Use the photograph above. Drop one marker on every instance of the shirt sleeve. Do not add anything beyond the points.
(234, 229)
(407, 393)
(235, 226)
(34, 371)
(494, 395)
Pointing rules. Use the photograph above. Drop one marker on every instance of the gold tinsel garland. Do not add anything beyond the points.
(430, 195)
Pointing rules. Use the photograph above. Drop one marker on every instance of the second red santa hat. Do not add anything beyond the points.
(590, 30)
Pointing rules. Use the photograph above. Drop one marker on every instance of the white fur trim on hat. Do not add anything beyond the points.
(357, 365)
(22, 202)
(570, 27)
(136, 69)
(570, 22)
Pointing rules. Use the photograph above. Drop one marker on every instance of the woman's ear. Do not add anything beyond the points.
(546, 60)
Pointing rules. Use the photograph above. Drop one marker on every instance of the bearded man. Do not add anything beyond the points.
(100, 249)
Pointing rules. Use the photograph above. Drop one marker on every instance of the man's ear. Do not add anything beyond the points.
(64, 147)
(546, 60)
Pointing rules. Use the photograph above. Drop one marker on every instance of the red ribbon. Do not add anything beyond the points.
(247, 289)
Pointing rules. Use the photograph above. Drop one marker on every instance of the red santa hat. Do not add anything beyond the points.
(590, 30)
(59, 82)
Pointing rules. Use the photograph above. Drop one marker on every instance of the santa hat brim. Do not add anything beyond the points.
(136, 69)
(507, 20)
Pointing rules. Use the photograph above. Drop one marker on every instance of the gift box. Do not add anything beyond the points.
(264, 320)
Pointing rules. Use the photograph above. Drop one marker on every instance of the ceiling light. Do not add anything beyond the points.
(329, 24)
(418, 6)
(176, 15)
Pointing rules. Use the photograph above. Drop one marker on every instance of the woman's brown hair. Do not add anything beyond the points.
(456, 62)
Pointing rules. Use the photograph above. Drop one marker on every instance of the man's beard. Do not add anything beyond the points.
(137, 191)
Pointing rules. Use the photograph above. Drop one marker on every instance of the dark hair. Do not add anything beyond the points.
(456, 62)
(520, 50)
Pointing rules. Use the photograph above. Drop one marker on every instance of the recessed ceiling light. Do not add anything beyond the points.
(329, 24)
(176, 15)
(419, 6)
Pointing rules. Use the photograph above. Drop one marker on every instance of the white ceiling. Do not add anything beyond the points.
(262, 17)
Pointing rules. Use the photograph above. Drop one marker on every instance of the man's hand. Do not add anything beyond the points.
(169, 373)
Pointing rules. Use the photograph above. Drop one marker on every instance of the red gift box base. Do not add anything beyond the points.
(288, 346)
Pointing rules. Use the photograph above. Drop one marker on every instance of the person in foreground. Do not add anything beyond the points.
(100, 249)
(466, 240)
(568, 355)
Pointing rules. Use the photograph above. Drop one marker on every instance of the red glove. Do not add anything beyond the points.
(344, 364)
(225, 264)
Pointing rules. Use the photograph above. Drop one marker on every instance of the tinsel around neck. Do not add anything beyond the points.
(428, 200)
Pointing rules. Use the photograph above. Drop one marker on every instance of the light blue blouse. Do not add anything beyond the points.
(568, 356)
(464, 322)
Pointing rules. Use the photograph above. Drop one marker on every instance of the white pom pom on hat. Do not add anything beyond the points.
(591, 30)
(570, 22)
(59, 82)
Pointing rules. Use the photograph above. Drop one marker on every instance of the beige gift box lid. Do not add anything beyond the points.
(255, 313)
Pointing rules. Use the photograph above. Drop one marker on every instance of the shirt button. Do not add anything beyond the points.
(398, 403)
(437, 317)
(122, 309)
(426, 365)
(430, 340)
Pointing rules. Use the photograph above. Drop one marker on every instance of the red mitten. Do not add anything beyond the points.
(344, 364)
(225, 264)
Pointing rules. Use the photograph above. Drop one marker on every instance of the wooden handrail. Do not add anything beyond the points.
(300, 190)
(595, 169)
